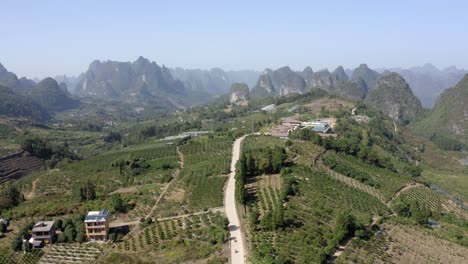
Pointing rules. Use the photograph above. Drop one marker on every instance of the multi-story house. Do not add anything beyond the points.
(97, 225)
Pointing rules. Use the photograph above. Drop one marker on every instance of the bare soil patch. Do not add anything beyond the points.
(327, 104)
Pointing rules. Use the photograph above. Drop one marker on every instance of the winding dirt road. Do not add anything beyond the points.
(236, 241)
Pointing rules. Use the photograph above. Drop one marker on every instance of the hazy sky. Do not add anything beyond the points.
(46, 38)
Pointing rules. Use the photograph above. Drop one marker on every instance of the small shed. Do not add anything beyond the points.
(269, 108)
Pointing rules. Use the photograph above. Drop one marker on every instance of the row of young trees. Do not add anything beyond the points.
(255, 162)
(446, 143)
(84, 192)
(414, 210)
(130, 167)
(349, 145)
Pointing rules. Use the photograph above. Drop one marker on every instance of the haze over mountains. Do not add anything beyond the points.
(426, 81)
(144, 82)
(393, 96)
(447, 123)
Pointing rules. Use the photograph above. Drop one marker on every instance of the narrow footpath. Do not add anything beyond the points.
(181, 164)
(236, 241)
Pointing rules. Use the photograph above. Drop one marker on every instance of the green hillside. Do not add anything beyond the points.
(15, 105)
(51, 96)
(393, 96)
(447, 124)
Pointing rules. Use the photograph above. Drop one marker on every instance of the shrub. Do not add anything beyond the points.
(3, 228)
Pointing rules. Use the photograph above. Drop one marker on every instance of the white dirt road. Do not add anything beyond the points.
(236, 239)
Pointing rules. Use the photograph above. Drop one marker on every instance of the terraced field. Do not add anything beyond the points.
(70, 254)
(433, 200)
(155, 236)
(206, 165)
(266, 190)
(313, 210)
(21, 258)
(398, 245)
(387, 182)
(161, 158)
(305, 153)
(351, 182)
(18, 164)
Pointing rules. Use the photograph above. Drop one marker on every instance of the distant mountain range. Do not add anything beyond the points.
(393, 96)
(284, 81)
(24, 98)
(447, 123)
(215, 81)
(428, 82)
(145, 83)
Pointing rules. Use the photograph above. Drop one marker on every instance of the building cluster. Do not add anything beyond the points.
(322, 127)
(96, 224)
(186, 134)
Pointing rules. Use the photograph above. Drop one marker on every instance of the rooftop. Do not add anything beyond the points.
(43, 226)
(291, 120)
(270, 107)
(94, 216)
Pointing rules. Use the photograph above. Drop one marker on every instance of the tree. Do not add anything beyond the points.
(419, 213)
(66, 223)
(80, 230)
(84, 192)
(253, 218)
(16, 243)
(90, 190)
(402, 209)
(278, 158)
(61, 238)
(70, 233)
(9, 196)
(113, 136)
(37, 147)
(217, 235)
(3, 228)
(58, 224)
(116, 203)
(413, 170)
(345, 223)
(113, 237)
(80, 237)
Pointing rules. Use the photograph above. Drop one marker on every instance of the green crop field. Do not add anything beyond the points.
(312, 211)
(206, 165)
(384, 180)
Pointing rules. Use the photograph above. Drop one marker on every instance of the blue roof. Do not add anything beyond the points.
(316, 128)
(97, 216)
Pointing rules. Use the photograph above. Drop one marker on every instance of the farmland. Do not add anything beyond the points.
(397, 245)
(161, 159)
(382, 179)
(310, 213)
(265, 189)
(201, 180)
(316, 195)
(299, 200)
(23, 258)
(203, 233)
(432, 200)
(70, 254)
